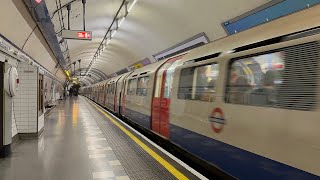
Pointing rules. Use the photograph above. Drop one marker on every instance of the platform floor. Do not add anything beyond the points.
(80, 142)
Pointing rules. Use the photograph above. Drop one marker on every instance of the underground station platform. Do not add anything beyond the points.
(82, 141)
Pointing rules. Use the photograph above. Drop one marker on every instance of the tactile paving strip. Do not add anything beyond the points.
(137, 163)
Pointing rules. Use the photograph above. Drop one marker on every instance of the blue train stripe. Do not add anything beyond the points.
(142, 119)
(237, 162)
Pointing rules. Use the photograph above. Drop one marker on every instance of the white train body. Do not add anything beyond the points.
(252, 111)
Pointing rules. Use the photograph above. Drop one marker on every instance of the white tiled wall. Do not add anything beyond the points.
(25, 101)
(40, 122)
(14, 125)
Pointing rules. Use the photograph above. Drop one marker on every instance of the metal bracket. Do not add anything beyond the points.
(64, 6)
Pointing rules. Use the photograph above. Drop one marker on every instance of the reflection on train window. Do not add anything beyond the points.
(255, 80)
(142, 89)
(198, 83)
(169, 78)
(132, 86)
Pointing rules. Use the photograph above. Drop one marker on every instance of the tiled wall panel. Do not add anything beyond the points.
(25, 102)
(14, 125)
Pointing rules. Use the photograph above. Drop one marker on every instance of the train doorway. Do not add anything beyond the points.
(161, 97)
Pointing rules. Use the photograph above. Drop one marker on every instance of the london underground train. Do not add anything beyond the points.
(250, 111)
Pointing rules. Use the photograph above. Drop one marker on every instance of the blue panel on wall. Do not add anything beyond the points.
(267, 14)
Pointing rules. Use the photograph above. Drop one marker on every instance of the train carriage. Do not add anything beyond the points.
(248, 118)
(138, 95)
(247, 104)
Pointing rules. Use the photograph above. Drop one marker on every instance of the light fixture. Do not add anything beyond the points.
(67, 73)
(134, 2)
(121, 21)
(114, 33)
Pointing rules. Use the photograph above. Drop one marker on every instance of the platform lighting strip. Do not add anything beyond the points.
(112, 31)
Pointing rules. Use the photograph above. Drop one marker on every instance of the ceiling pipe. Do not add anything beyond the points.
(54, 13)
(69, 9)
(84, 14)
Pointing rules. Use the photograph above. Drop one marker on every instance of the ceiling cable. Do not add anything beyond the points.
(24, 44)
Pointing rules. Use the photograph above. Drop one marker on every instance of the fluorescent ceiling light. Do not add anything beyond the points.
(121, 21)
(114, 33)
(133, 3)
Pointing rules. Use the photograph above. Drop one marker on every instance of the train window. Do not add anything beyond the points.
(142, 89)
(255, 80)
(132, 86)
(198, 83)
(286, 78)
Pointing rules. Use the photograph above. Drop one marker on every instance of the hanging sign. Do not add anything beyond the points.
(77, 35)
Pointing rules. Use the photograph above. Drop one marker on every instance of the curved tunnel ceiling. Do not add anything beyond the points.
(92, 77)
(149, 28)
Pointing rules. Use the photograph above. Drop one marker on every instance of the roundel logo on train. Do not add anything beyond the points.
(217, 120)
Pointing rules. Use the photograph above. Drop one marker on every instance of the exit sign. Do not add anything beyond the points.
(78, 35)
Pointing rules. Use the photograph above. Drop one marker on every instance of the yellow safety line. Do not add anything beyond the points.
(157, 157)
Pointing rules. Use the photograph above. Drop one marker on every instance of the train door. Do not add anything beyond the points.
(40, 94)
(1, 104)
(103, 94)
(117, 92)
(161, 98)
(121, 92)
(104, 102)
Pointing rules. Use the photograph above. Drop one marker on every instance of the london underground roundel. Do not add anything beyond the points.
(217, 120)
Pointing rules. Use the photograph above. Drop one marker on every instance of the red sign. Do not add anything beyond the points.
(79, 35)
(217, 120)
(84, 35)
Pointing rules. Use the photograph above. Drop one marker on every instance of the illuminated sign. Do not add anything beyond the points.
(67, 73)
(78, 35)
(84, 35)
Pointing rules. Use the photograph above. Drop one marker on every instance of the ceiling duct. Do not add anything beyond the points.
(41, 16)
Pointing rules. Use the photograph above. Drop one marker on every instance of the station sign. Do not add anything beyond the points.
(77, 35)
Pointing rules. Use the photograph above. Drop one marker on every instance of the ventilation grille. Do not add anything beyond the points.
(300, 78)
